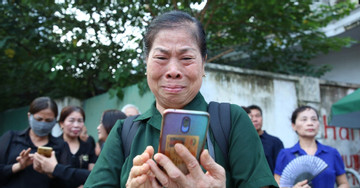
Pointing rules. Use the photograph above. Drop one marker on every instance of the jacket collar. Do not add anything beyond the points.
(154, 117)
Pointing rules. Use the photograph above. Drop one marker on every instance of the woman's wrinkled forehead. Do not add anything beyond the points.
(186, 26)
(191, 27)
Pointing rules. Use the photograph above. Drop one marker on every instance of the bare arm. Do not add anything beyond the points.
(342, 182)
(277, 178)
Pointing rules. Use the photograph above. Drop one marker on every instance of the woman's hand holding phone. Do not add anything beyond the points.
(140, 174)
(177, 165)
(44, 164)
(187, 127)
(172, 176)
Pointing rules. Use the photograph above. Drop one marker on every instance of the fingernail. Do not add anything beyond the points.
(178, 147)
(156, 156)
(206, 153)
(205, 150)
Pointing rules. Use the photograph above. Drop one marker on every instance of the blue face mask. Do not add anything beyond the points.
(41, 128)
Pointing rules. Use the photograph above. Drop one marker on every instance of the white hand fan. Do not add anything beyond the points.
(301, 168)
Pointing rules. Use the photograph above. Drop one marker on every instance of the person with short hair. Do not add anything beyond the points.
(81, 154)
(130, 110)
(305, 122)
(78, 157)
(107, 122)
(18, 147)
(271, 144)
(175, 53)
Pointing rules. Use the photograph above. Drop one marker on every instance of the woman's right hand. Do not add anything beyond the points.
(44, 164)
(24, 160)
(140, 174)
(302, 184)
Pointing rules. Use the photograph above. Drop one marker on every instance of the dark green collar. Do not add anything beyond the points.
(154, 117)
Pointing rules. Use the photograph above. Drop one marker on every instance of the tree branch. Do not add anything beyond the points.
(220, 55)
(202, 12)
(210, 17)
(175, 4)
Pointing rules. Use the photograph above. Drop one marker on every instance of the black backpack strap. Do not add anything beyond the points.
(220, 124)
(128, 132)
(210, 145)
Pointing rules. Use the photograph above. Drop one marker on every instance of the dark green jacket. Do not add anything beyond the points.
(248, 165)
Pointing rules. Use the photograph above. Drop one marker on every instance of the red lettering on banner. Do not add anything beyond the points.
(351, 161)
(352, 180)
(344, 133)
(341, 135)
(328, 127)
(356, 162)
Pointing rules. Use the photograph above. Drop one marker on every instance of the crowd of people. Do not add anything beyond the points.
(175, 53)
(73, 153)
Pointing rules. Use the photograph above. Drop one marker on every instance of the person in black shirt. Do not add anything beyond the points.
(84, 136)
(18, 147)
(271, 144)
(81, 154)
(77, 158)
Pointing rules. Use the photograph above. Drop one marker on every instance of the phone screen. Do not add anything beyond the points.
(186, 127)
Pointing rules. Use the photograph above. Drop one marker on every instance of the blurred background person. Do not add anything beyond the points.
(108, 120)
(78, 157)
(84, 136)
(247, 110)
(271, 144)
(305, 122)
(81, 154)
(130, 110)
(18, 147)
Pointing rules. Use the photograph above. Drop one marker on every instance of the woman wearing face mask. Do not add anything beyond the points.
(18, 147)
(305, 122)
(78, 157)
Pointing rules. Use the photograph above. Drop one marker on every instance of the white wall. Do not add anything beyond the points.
(276, 97)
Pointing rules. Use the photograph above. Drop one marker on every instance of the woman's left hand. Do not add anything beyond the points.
(140, 174)
(173, 177)
(44, 164)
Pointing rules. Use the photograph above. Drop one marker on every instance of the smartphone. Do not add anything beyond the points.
(187, 127)
(46, 151)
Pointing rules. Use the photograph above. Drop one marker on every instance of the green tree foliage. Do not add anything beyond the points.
(48, 49)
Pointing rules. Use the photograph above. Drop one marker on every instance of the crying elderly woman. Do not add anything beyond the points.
(175, 52)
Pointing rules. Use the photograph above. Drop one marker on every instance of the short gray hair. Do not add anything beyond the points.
(128, 106)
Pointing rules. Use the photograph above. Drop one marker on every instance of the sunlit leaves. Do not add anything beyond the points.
(85, 48)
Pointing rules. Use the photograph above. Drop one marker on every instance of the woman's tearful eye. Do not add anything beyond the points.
(161, 58)
(187, 58)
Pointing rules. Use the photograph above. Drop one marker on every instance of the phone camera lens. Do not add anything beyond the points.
(185, 125)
